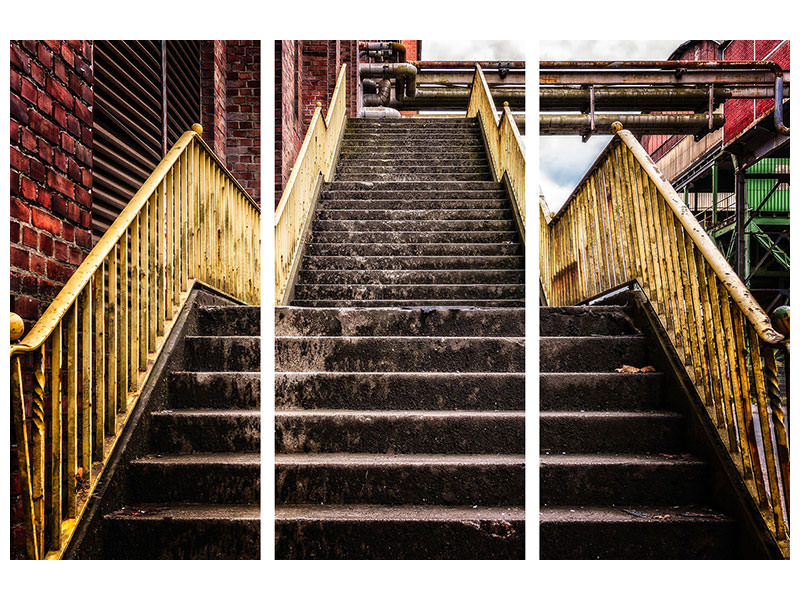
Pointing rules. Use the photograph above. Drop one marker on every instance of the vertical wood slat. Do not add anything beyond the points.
(169, 254)
(152, 272)
(133, 365)
(86, 383)
(123, 338)
(71, 459)
(100, 362)
(23, 458)
(161, 280)
(111, 343)
(56, 475)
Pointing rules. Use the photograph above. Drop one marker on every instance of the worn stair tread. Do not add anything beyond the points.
(348, 459)
(403, 414)
(628, 514)
(207, 412)
(617, 459)
(609, 414)
(187, 512)
(204, 458)
(403, 513)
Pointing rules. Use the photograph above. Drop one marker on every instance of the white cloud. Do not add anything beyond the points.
(473, 50)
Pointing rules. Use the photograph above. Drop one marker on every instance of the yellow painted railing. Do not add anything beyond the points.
(92, 350)
(502, 138)
(625, 223)
(314, 164)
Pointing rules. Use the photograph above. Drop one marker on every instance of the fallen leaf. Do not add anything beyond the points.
(630, 369)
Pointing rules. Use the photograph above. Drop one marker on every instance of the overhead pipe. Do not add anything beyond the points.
(629, 98)
(638, 124)
(383, 93)
(468, 64)
(380, 112)
(777, 115)
(394, 47)
(405, 75)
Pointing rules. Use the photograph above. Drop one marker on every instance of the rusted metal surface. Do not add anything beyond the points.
(699, 77)
(629, 98)
(624, 223)
(560, 124)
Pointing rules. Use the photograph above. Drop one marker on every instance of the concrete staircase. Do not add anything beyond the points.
(400, 365)
(195, 492)
(617, 480)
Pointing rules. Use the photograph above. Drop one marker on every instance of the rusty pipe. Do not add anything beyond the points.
(395, 47)
(777, 115)
(638, 124)
(467, 64)
(405, 75)
(382, 96)
(629, 98)
(661, 64)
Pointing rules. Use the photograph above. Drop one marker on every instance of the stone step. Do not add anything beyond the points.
(185, 532)
(389, 277)
(621, 479)
(324, 291)
(410, 195)
(448, 121)
(448, 204)
(410, 139)
(397, 479)
(415, 237)
(223, 353)
(400, 391)
(229, 320)
(400, 431)
(210, 478)
(591, 353)
(290, 321)
(399, 532)
(421, 154)
(440, 178)
(233, 390)
(187, 431)
(414, 249)
(409, 225)
(411, 163)
(617, 431)
(382, 167)
(585, 320)
(411, 303)
(414, 215)
(408, 187)
(413, 262)
(600, 391)
(406, 354)
(639, 532)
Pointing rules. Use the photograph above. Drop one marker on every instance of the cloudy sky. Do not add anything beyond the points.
(563, 160)
(473, 50)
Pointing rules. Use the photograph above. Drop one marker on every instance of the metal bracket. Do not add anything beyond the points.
(585, 137)
(502, 69)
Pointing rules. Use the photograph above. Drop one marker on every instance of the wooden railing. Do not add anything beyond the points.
(625, 223)
(315, 163)
(83, 365)
(502, 139)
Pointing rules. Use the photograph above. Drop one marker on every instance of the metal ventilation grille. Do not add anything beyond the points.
(183, 87)
(129, 128)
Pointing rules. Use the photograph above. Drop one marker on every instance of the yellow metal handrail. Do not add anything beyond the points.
(190, 221)
(314, 163)
(502, 139)
(624, 223)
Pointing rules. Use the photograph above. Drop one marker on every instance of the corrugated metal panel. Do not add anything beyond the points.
(757, 189)
(128, 116)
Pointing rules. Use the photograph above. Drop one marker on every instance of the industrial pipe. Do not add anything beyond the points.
(438, 98)
(638, 124)
(395, 47)
(468, 64)
(380, 112)
(405, 75)
(778, 114)
(383, 95)
(629, 98)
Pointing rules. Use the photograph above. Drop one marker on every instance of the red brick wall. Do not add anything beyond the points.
(51, 168)
(51, 180)
(213, 95)
(739, 114)
(658, 145)
(243, 114)
(308, 68)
